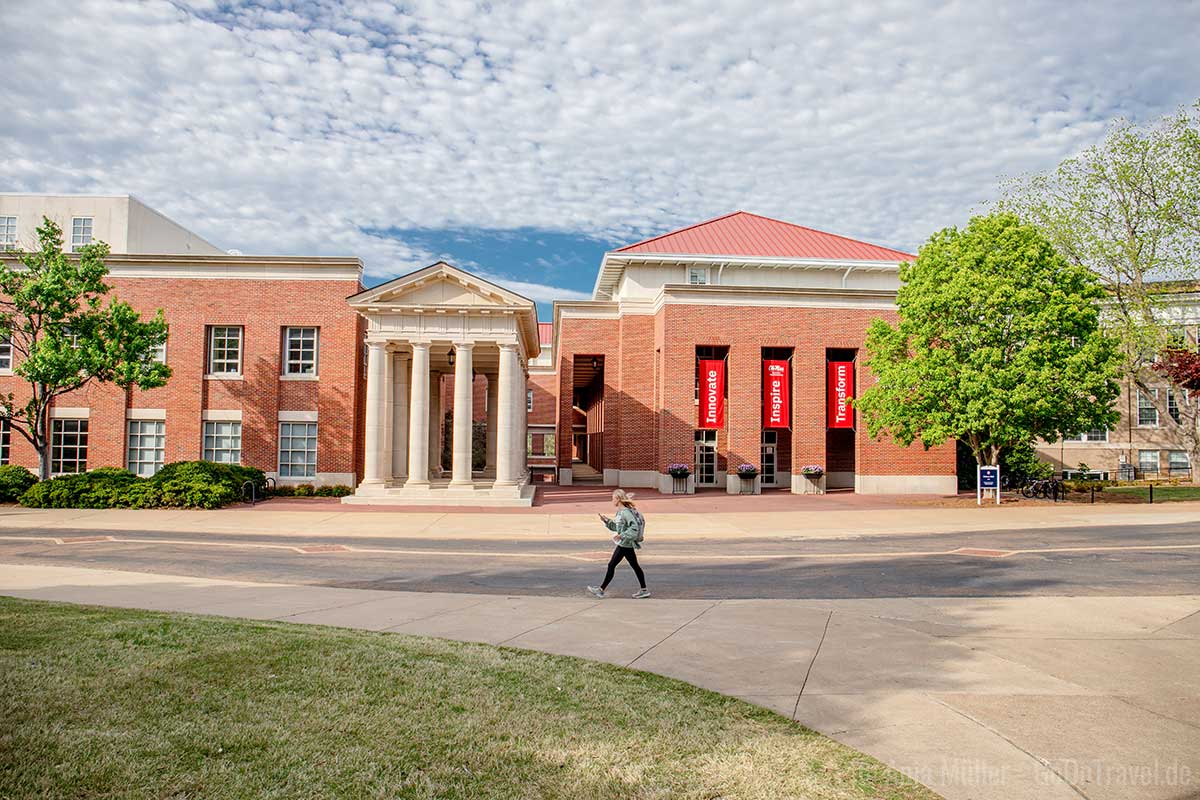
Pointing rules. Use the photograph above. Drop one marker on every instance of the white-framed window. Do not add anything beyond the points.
(539, 444)
(225, 350)
(698, 276)
(1147, 412)
(1178, 463)
(144, 449)
(223, 442)
(5, 440)
(6, 353)
(1094, 435)
(300, 351)
(529, 399)
(68, 445)
(81, 232)
(8, 233)
(159, 352)
(297, 449)
(1148, 462)
(1173, 403)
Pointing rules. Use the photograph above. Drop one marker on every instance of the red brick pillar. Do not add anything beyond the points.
(808, 407)
(743, 416)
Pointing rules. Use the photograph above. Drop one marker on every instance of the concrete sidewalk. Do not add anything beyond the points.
(329, 519)
(1003, 699)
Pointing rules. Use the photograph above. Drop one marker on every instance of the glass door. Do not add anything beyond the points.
(706, 458)
(769, 440)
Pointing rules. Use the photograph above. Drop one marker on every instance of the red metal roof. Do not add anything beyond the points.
(749, 235)
(546, 332)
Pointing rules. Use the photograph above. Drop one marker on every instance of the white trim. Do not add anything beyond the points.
(297, 416)
(68, 412)
(228, 376)
(299, 377)
(146, 414)
(320, 479)
(221, 415)
(905, 484)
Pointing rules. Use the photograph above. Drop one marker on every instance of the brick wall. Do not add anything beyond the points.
(650, 409)
(263, 309)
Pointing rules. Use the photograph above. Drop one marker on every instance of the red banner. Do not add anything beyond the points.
(839, 391)
(777, 406)
(712, 394)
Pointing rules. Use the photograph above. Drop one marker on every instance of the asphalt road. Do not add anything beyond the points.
(1143, 560)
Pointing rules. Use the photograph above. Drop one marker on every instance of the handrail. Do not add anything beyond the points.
(253, 491)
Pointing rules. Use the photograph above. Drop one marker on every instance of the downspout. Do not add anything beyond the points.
(846, 275)
(720, 272)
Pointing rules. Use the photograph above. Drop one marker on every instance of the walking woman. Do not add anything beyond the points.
(629, 526)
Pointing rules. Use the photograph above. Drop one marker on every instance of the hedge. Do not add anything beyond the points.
(183, 484)
(14, 482)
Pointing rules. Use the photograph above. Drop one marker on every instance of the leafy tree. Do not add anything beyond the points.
(998, 343)
(1128, 209)
(64, 336)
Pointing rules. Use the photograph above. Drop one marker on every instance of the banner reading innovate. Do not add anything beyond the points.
(712, 393)
(840, 390)
(777, 406)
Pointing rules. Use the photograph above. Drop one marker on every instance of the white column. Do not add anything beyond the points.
(493, 404)
(400, 398)
(464, 408)
(506, 411)
(418, 417)
(378, 446)
(522, 455)
(435, 425)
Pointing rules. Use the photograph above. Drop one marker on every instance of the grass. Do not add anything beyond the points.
(1162, 494)
(101, 703)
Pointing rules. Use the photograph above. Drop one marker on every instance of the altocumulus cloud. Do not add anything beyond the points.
(312, 126)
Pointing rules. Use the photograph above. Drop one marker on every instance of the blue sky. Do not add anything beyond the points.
(522, 139)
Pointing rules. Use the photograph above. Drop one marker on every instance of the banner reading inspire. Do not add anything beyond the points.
(839, 391)
(777, 406)
(712, 394)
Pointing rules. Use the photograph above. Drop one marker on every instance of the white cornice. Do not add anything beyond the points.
(787, 297)
(209, 267)
(614, 264)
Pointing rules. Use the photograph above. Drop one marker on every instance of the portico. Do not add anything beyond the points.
(440, 321)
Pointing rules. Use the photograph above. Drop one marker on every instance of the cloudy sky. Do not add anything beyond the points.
(523, 140)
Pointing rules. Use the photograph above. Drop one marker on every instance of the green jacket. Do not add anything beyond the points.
(628, 525)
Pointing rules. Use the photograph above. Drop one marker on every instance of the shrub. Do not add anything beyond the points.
(284, 491)
(101, 488)
(205, 484)
(338, 490)
(14, 482)
(305, 490)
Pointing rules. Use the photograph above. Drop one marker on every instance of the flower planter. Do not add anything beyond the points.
(679, 484)
(812, 484)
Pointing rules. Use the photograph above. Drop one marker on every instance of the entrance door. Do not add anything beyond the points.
(769, 443)
(706, 458)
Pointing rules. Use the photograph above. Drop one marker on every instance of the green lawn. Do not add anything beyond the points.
(111, 703)
(1162, 494)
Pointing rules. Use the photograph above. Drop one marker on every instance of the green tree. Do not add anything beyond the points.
(1128, 209)
(998, 343)
(64, 336)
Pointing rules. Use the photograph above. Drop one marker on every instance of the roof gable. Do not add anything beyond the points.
(440, 284)
(746, 235)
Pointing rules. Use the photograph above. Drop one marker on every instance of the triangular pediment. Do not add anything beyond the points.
(440, 285)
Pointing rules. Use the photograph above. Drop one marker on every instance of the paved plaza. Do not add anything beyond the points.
(1020, 652)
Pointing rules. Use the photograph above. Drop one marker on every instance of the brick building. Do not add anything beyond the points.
(668, 362)
(290, 365)
(263, 350)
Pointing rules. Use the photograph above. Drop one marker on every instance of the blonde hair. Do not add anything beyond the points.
(623, 497)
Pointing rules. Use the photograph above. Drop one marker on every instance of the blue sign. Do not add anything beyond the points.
(989, 477)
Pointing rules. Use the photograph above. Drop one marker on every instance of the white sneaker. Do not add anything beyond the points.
(641, 593)
(596, 590)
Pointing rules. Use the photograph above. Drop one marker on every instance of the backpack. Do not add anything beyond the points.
(641, 525)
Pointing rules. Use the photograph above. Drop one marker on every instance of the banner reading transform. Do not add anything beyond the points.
(839, 391)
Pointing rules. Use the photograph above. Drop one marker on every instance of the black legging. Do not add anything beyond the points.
(630, 555)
